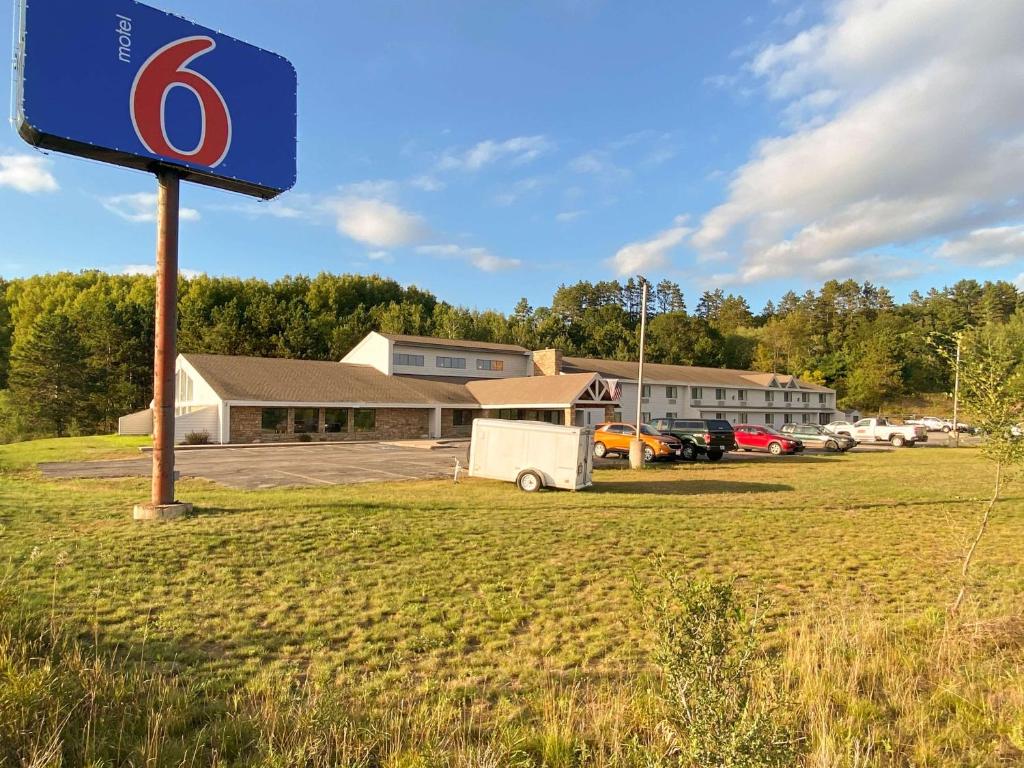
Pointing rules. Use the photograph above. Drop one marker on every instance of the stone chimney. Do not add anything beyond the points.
(547, 362)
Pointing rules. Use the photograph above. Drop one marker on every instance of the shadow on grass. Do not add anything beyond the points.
(686, 487)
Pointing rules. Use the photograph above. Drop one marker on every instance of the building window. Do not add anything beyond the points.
(821, 398)
(365, 419)
(787, 419)
(184, 387)
(274, 420)
(805, 397)
(490, 365)
(335, 419)
(645, 391)
(307, 420)
(719, 394)
(670, 393)
(401, 358)
(451, 362)
(720, 416)
(824, 419)
(787, 397)
(671, 415)
(462, 418)
(744, 418)
(741, 394)
(769, 397)
(769, 419)
(805, 418)
(645, 417)
(698, 393)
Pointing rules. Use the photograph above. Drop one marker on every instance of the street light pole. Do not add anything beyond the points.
(636, 447)
(956, 396)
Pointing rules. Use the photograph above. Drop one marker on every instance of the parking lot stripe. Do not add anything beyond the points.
(304, 477)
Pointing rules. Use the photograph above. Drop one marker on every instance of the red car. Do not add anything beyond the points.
(751, 437)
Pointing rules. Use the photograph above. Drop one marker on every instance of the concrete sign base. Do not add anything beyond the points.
(161, 511)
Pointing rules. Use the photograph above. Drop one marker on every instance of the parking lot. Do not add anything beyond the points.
(263, 467)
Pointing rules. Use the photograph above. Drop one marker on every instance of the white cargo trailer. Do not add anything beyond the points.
(532, 454)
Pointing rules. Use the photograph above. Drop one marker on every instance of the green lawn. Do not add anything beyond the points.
(472, 624)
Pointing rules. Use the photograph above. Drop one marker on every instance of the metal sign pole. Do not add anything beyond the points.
(162, 504)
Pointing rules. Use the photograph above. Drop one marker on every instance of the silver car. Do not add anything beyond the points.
(814, 436)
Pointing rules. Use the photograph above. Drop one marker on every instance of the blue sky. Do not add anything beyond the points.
(488, 151)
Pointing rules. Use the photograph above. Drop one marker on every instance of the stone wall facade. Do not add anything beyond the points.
(547, 362)
(448, 427)
(389, 424)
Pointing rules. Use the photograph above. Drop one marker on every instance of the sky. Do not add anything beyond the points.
(493, 150)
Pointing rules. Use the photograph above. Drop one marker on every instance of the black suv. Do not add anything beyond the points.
(711, 437)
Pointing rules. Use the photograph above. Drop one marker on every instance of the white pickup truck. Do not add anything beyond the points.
(881, 431)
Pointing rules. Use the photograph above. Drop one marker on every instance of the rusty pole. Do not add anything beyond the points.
(165, 351)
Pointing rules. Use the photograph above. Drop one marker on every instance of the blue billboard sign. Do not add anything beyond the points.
(124, 83)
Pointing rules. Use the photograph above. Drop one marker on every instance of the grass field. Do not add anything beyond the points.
(427, 623)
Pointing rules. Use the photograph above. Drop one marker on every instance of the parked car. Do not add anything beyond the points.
(614, 438)
(752, 437)
(840, 427)
(814, 436)
(710, 437)
(932, 424)
(881, 431)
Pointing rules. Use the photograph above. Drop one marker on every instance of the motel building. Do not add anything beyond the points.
(398, 387)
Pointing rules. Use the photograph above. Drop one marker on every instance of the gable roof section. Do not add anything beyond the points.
(481, 346)
(561, 390)
(682, 374)
(279, 380)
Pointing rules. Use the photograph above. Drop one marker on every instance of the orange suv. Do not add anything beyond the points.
(616, 437)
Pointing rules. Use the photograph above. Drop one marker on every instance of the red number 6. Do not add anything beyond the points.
(167, 69)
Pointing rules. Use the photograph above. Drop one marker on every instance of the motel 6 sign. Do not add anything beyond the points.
(124, 83)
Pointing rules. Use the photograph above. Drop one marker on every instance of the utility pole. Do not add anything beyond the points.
(636, 447)
(956, 396)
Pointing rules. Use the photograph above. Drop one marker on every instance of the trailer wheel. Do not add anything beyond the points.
(529, 482)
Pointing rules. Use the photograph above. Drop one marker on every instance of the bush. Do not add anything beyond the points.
(197, 438)
(722, 693)
(305, 437)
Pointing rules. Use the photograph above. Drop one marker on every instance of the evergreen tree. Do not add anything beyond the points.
(49, 377)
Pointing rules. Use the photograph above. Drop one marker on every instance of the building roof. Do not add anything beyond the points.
(430, 341)
(681, 374)
(278, 380)
(531, 390)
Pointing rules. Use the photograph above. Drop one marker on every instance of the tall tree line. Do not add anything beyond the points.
(76, 349)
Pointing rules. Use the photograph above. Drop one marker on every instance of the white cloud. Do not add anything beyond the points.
(141, 207)
(645, 255)
(480, 258)
(518, 189)
(369, 188)
(150, 269)
(427, 183)
(1019, 282)
(381, 256)
(517, 150)
(27, 173)
(986, 247)
(375, 222)
(567, 216)
(899, 139)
